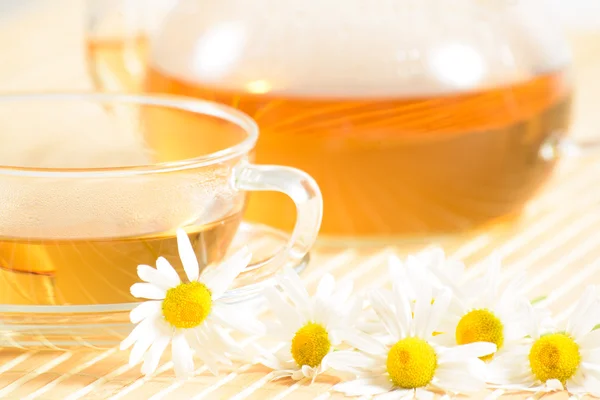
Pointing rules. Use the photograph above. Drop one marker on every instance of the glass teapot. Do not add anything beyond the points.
(415, 117)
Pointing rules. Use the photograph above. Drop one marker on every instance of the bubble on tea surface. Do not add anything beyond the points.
(96, 207)
(355, 48)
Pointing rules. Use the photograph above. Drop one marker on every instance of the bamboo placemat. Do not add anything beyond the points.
(558, 238)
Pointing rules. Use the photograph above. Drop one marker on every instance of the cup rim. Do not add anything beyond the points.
(189, 104)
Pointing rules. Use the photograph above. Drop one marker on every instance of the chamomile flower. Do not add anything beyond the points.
(310, 328)
(415, 364)
(486, 309)
(191, 315)
(549, 360)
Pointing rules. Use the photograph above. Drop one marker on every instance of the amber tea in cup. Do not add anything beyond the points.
(94, 185)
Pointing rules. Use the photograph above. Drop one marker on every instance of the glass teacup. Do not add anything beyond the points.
(93, 185)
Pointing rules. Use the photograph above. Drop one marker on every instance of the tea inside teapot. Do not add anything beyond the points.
(413, 117)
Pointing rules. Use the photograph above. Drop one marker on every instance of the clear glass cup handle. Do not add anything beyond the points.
(300, 187)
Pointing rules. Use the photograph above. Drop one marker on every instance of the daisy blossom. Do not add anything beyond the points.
(415, 365)
(192, 315)
(486, 309)
(310, 328)
(553, 359)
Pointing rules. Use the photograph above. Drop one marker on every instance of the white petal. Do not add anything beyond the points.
(153, 276)
(402, 305)
(140, 347)
(147, 291)
(422, 309)
(554, 384)
(345, 360)
(585, 314)
(168, 271)
(209, 361)
(357, 316)
(297, 375)
(293, 286)
(495, 395)
(227, 271)
(438, 310)
(591, 340)
(592, 386)
(278, 331)
(466, 351)
(321, 312)
(591, 357)
(444, 339)
(535, 320)
(238, 317)
(296, 296)
(140, 329)
(145, 310)
(590, 368)
(395, 394)
(270, 362)
(155, 329)
(455, 378)
(284, 352)
(422, 394)
(355, 306)
(187, 256)
(514, 330)
(287, 315)
(207, 358)
(579, 376)
(153, 356)
(182, 357)
(512, 295)
(385, 313)
(509, 369)
(343, 291)
(216, 340)
(281, 374)
(575, 385)
(395, 267)
(308, 371)
(365, 386)
(363, 342)
(325, 362)
(325, 287)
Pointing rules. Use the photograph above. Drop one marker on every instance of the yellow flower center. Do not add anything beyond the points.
(411, 363)
(187, 305)
(310, 344)
(554, 356)
(480, 326)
